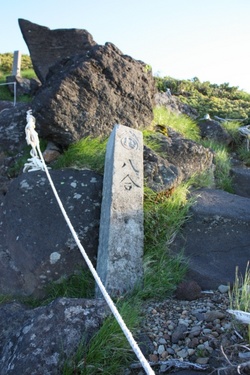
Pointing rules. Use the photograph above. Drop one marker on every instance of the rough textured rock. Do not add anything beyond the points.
(89, 94)
(241, 181)
(211, 129)
(48, 47)
(186, 155)
(188, 290)
(12, 125)
(24, 86)
(87, 88)
(216, 238)
(174, 104)
(5, 104)
(159, 174)
(38, 341)
(36, 244)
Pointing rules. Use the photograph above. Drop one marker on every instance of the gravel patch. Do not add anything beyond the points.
(200, 332)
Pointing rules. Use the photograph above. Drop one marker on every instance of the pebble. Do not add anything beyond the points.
(223, 288)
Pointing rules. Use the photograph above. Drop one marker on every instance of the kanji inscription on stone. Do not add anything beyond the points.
(119, 261)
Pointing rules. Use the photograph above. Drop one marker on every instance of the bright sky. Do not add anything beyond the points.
(208, 39)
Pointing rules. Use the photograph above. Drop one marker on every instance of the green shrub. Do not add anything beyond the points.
(6, 63)
(217, 100)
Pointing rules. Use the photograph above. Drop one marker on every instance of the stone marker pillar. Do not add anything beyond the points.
(16, 67)
(119, 261)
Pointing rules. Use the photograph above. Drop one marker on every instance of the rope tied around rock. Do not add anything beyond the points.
(32, 139)
(39, 164)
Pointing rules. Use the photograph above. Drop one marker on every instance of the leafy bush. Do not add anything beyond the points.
(6, 63)
(217, 100)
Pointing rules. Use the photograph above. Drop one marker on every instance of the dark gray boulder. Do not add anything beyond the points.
(86, 88)
(187, 156)
(159, 174)
(12, 128)
(175, 105)
(211, 129)
(216, 239)
(38, 341)
(241, 180)
(48, 47)
(88, 94)
(36, 244)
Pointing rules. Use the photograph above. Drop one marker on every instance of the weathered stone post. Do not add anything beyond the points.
(119, 261)
(16, 67)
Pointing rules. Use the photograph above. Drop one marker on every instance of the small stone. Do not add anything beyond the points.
(162, 341)
(183, 353)
(153, 357)
(195, 331)
(223, 289)
(188, 290)
(191, 352)
(193, 343)
(178, 333)
(161, 349)
(170, 351)
(164, 355)
(206, 331)
(202, 360)
(210, 316)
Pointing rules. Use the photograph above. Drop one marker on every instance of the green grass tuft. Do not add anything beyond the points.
(163, 217)
(244, 155)
(79, 285)
(109, 351)
(223, 180)
(87, 153)
(240, 296)
(180, 123)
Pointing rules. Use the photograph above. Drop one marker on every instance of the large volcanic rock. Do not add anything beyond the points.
(36, 245)
(87, 88)
(89, 94)
(47, 47)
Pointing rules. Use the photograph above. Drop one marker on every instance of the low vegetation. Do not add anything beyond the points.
(240, 299)
(88, 152)
(6, 62)
(218, 100)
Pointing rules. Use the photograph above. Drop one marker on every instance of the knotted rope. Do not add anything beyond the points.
(35, 164)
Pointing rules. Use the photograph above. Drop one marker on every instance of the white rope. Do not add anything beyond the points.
(33, 138)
